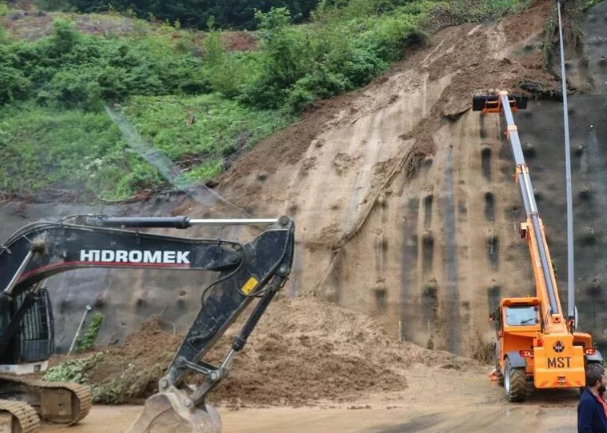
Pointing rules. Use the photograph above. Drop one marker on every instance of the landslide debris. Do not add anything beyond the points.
(303, 351)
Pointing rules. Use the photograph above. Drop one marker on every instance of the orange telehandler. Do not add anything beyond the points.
(535, 343)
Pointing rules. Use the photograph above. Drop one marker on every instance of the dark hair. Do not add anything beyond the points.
(594, 373)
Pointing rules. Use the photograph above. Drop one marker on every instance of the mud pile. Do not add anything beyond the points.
(303, 351)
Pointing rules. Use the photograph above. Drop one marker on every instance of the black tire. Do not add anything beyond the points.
(500, 377)
(498, 371)
(515, 383)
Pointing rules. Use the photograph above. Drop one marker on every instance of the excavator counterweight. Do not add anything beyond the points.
(248, 273)
(535, 343)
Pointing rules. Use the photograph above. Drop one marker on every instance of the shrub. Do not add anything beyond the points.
(73, 370)
(88, 340)
(73, 70)
(13, 84)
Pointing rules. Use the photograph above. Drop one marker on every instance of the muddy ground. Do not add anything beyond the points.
(313, 366)
(374, 420)
(303, 351)
(436, 401)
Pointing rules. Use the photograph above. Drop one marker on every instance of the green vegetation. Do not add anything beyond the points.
(219, 128)
(44, 148)
(72, 70)
(332, 55)
(88, 340)
(186, 94)
(132, 383)
(587, 4)
(239, 14)
(73, 370)
(85, 152)
(472, 11)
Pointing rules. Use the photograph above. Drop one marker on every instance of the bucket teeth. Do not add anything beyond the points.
(172, 412)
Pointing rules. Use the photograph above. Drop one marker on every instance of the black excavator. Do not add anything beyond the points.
(249, 272)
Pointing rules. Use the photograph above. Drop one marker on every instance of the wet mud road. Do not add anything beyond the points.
(528, 418)
(437, 400)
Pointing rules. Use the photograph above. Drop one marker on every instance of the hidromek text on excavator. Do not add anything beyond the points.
(254, 271)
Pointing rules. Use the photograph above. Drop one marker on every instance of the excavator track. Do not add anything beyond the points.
(52, 395)
(25, 415)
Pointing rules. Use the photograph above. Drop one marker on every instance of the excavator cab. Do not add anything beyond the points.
(34, 342)
(36, 337)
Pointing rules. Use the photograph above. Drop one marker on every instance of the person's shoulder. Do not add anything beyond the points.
(586, 396)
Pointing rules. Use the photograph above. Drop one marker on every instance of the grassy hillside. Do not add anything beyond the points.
(188, 94)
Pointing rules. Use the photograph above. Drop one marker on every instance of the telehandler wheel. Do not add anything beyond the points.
(500, 377)
(498, 371)
(499, 374)
(515, 383)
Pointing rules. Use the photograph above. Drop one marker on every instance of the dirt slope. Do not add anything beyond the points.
(387, 185)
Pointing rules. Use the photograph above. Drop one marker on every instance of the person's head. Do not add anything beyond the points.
(595, 377)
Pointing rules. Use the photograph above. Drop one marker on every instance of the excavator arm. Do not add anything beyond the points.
(253, 271)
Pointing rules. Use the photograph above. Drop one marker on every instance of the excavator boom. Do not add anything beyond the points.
(255, 271)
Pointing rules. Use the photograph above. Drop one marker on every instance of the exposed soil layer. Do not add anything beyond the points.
(376, 154)
(478, 58)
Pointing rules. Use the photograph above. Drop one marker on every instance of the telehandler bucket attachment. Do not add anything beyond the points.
(492, 102)
(174, 412)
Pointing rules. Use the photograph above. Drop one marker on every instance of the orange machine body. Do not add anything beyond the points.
(535, 342)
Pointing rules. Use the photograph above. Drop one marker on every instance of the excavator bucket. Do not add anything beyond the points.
(173, 412)
(492, 102)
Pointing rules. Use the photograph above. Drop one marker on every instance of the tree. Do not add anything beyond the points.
(237, 14)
